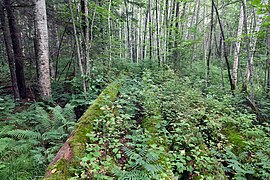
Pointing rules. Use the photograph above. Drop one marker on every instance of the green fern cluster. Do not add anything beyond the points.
(30, 138)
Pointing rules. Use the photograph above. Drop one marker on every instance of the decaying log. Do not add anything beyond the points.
(68, 157)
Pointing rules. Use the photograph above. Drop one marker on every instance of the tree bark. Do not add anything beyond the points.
(224, 47)
(196, 28)
(10, 56)
(157, 29)
(237, 49)
(268, 81)
(210, 45)
(43, 49)
(86, 35)
(109, 25)
(17, 49)
(128, 30)
(150, 30)
(145, 32)
(251, 47)
(77, 46)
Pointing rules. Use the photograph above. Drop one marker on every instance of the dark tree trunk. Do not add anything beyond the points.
(210, 45)
(224, 48)
(17, 49)
(10, 55)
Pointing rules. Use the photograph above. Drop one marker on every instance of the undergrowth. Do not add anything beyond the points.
(165, 127)
(161, 126)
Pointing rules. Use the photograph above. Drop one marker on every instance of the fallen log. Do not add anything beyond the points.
(68, 157)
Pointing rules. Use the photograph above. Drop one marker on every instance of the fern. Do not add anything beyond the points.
(146, 161)
(23, 134)
(29, 140)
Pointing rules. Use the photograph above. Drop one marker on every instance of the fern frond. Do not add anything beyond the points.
(6, 143)
(23, 134)
(152, 157)
(153, 168)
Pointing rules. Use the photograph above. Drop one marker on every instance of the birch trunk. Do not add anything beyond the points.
(42, 48)
(157, 33)
(237, 49)
(251, 47)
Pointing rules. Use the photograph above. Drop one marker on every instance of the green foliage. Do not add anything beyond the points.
(30, 138)
(163, 127)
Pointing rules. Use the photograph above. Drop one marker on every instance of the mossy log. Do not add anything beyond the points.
(68, 157)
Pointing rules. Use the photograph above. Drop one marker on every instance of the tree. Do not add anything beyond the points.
(10, 55)
(43, 62)
(237, 49)
(17, 49)
(77, 45)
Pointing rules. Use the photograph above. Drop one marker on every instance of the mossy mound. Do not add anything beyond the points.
(68, 157)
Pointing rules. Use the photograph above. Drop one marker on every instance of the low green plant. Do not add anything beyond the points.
(30, 138)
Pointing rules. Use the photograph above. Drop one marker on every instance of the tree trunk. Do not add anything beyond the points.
(157, 29)
(86, 33)
(145, 32)
(43, 49)
(109, 25)
(150, 30)
(237, 49)
(10, 56)
(17, 49)
(251, 47)
(195, 34)
(210, 45)
(77, 45)
(224, 46)
(268, 81)
(128, 29)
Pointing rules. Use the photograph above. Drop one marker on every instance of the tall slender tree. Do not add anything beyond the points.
(237, 49)
(43, 62)
(17, 49)
(11, 61)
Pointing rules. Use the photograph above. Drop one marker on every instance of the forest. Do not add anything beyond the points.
(134, 89)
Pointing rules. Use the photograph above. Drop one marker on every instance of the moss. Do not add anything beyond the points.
(62, 169)
(234, 138)
(150, 124)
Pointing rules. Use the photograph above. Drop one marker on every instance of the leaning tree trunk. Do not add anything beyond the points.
(224, 46)
(17, 49)
(43, 62)
(11, 61)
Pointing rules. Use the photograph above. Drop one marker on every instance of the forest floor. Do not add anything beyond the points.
(159, 126)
